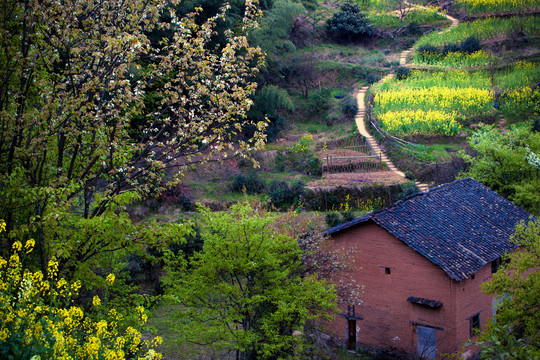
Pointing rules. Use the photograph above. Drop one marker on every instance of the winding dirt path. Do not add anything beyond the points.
(360, 115)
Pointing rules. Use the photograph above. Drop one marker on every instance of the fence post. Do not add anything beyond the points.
(327, 164)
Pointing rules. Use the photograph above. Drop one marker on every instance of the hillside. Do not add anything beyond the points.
(169, 169)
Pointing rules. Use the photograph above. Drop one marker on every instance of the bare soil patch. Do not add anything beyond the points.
(385, 177)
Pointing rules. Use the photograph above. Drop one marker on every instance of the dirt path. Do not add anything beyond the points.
(360, 115)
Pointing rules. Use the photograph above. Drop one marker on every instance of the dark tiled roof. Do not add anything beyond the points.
(426, 302)
(460, 226)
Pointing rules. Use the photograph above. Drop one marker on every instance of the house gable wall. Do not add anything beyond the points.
(471, 301)
(389, 320)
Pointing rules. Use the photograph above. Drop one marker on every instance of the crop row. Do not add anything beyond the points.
(454, 59)
(426, 79)
(482, 29)
(432, 102)
(415, 106)
(521, 104)
(465, 102)
(497, 6)
(419, 122)
(522, 74)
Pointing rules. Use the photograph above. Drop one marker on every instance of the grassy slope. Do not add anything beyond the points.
(335, 64)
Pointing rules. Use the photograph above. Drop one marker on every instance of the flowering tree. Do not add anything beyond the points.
(91, 115)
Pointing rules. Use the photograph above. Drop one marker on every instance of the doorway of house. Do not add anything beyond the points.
(425, 342)
(351, 338)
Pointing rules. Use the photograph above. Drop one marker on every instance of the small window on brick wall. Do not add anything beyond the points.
(495, 264)
(387, 270)
(474, 323)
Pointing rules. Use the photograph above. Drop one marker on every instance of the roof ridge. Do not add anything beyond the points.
(458, 226)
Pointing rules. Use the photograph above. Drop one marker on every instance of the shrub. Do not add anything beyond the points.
(299, 157)
(274, 128)
(252, 183)
(428, 49)
(535, 124)
(349, 107)
(360, 73)
(414, 29)
(332, 219)
(347, 216)
(402, 73)
(297, 189)
(372, 78)
(349, 24)
(448, 48)
(471, 45)
(409, 175)
(239, 183)
(407, 189)
(282, 195)
(391, 64)
(319, 101)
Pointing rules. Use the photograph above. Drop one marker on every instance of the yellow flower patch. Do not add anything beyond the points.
(37, 315)
(419, 122)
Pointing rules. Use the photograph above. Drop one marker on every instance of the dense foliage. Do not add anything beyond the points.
(247, 291)
(92, 115)
(508, 163)
(349, 24)
(39, 320)
(513, 334)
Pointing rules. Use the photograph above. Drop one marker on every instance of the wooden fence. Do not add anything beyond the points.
(366, 160)
(351, 164)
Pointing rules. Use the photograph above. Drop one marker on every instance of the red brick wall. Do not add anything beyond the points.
(387, 315)
(471, 301)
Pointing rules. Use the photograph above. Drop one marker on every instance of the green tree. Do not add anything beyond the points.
(247, 291)
(349, 24)
(75, 77)
(508, 164)
(276, 26)
(514, 332)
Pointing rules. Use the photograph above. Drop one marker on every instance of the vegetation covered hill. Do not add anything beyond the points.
(117, 120)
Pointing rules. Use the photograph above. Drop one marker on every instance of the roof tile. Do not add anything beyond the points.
(460, 226)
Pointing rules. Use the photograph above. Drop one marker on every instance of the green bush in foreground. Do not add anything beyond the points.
(513, 333)
(247, 290)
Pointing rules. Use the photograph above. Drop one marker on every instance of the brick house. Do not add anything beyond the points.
(421, 262)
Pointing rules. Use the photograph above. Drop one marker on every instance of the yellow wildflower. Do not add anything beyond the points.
(110, 278)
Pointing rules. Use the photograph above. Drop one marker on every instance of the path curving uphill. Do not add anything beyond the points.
(360, 115)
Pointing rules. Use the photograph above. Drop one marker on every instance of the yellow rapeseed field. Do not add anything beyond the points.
(419, 122)
(464, 101)
(478, 6)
